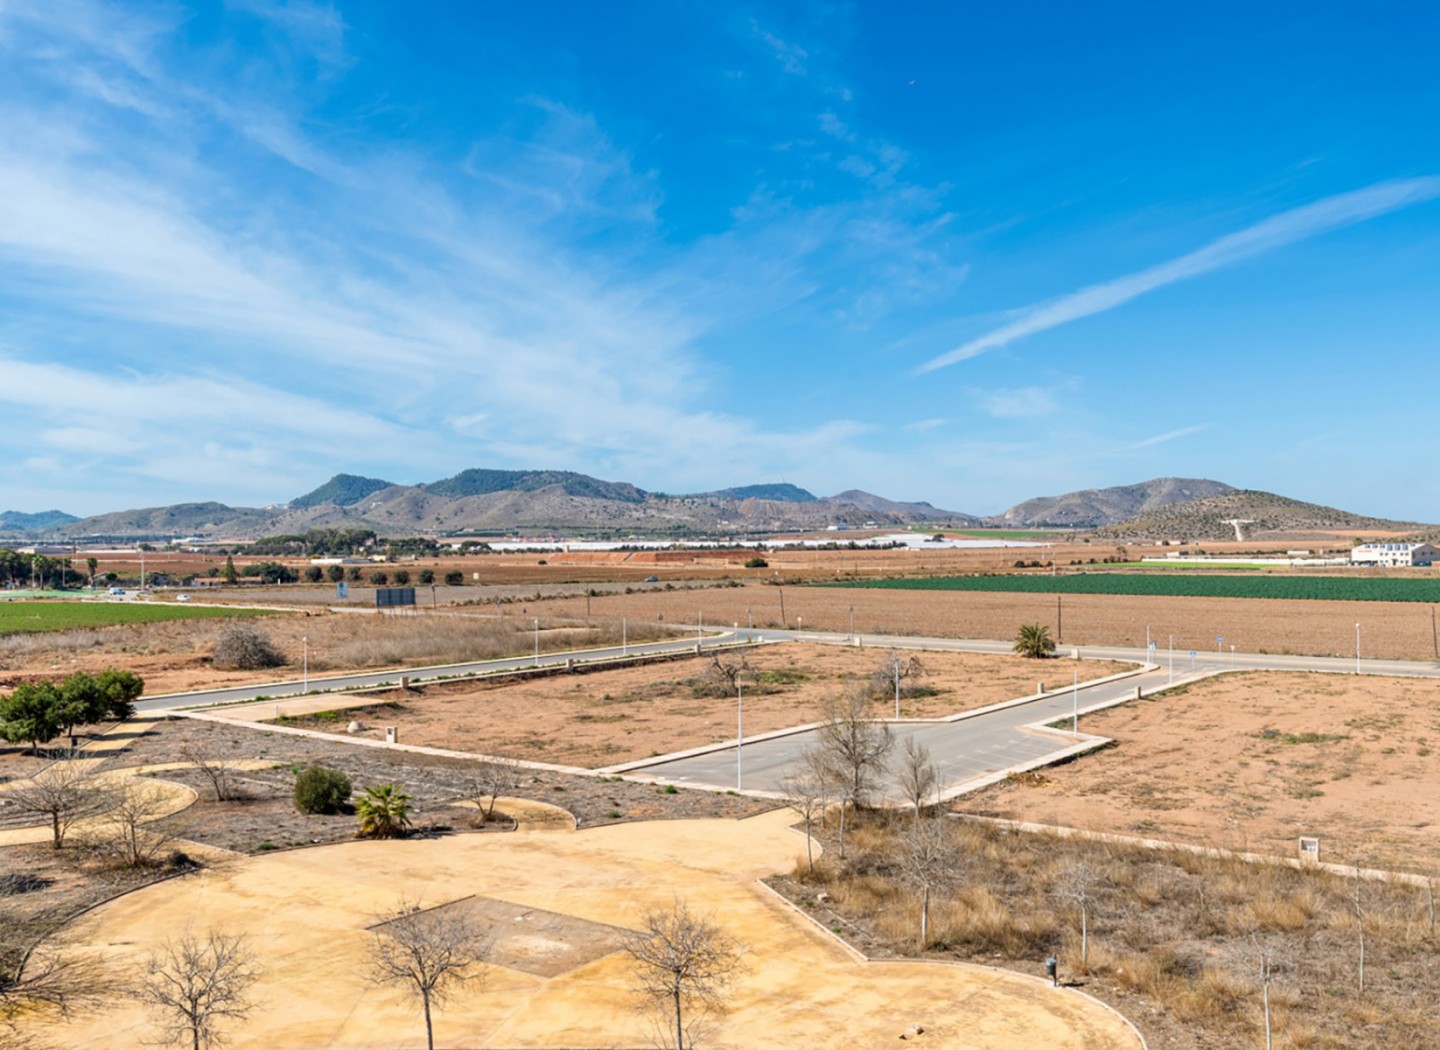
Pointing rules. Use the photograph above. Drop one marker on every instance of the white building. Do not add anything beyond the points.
(1394, 554)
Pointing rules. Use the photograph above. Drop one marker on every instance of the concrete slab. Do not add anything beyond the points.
(306, 914)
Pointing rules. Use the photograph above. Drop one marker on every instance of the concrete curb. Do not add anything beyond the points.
(855, 953)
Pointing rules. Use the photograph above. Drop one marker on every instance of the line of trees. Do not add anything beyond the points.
(37, 712)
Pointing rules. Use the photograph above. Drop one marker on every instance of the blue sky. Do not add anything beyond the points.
(961, 252)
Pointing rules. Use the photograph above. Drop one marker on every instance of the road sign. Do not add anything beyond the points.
(1193, 654)
(342, 589)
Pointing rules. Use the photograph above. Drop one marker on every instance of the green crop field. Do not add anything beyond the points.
(1292, 588)
(28, 617)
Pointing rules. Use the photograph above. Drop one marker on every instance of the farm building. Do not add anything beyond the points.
(1394, 554)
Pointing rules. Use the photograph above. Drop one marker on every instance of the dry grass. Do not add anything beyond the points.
(1173, 930)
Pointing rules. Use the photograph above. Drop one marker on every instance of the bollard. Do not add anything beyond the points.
(1137, 692)
(1040, 687)
(390, 734)
(570, 663)
(405, 683)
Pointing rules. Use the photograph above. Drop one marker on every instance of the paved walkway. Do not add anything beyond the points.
(306, 913)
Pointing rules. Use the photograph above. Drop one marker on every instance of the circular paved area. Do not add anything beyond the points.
(306, 914)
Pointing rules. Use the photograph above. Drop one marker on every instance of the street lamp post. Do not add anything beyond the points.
(305, 680)
(537, 642)
(739, 731)
(1075, 702)
(1172, 660)
(624, 638)
(1357, 648)
(852, 624)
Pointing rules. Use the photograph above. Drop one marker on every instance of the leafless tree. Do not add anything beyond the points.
(849, 751)
(43, 981)
(1265, 953)
(244, 647)
(805, 793)
(918, 777)
(892, 674)
(720, 678)
(927, 857)
(63, 794)
(216, 770)
(1076, 885)
(488, 780)
(429, 954)
(196, 986)
(684, 966)
(134, 829)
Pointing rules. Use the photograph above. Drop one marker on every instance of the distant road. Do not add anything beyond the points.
(963, 750)
(372, 679)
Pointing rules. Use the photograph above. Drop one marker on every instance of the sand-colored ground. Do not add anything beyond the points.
(608, 717)
(563, 896)
(1252, 762)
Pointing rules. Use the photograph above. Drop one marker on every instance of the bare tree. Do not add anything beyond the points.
(918, 777)
(429, 954)
(927, 857)
(684, 965)
(63, 794)
(1076, 885)
(849, 752)
(720, 678)
(488, 780)
(216, 770)
(46, 980)
(1265, 962)
(892, 673)
(805, 793)
(135, 830)
(197, 986)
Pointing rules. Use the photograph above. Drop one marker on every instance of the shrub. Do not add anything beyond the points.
(353, 574)
(757, 562)
(454, 578)
(402, 577)
(335, 573)
(244, 647)
(427, 577)
(379, 578)
(383, 812)
(319, 789)
(314, 574)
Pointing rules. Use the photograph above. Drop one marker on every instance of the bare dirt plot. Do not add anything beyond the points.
(1251, 762)
(608, 717)
(1390, 630)
(173, 657)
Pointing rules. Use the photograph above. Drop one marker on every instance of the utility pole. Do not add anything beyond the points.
(305, 642)
(537, 642)
(1075, 703)
(1357, 648)
(1059, 619)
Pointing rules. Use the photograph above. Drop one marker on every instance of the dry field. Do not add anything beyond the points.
(1251, 762)
(1390, 630)
(607, 717)
(175, 656)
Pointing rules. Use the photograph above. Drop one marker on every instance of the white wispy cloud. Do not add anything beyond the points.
(1288, 227)
(1028, 402)
(1170, 435)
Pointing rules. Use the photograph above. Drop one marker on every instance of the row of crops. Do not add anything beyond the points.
(28, 617)
(1291, 588)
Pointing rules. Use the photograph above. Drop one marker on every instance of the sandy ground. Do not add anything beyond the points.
(1252, 762)
(608, 717)
(565, 896)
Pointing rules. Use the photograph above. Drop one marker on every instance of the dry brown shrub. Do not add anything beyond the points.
(1215, 992)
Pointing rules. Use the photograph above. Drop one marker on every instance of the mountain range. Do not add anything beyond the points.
(489, 501)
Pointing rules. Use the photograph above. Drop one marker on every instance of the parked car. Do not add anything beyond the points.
(182, 597)
(652, 579)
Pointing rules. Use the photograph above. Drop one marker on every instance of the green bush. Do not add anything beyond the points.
(427, 577)
(757, 562)
(454, 578)
(319, 789)
(379, 578)
(401, 577)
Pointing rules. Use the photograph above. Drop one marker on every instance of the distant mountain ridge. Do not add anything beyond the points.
(483, 500)
(1096, 508)
(1261, 515)
(537, 501)
(17, 521)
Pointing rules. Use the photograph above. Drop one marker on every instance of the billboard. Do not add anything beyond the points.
(394, 597)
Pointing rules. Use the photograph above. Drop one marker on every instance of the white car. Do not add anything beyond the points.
(182, 597)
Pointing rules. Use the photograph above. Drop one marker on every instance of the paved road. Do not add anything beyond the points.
(371, 679)
(971, 748)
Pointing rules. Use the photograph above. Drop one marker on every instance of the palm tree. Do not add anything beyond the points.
(384, 812)
(1034, 641)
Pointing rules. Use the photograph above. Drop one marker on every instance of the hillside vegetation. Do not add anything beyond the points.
(1267, 513)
